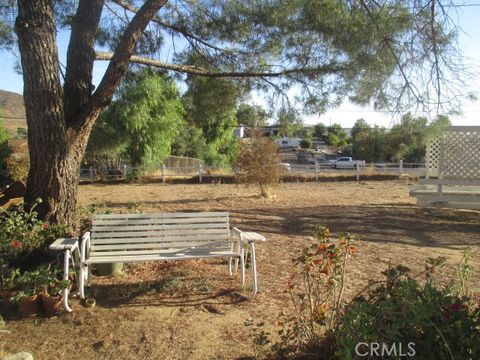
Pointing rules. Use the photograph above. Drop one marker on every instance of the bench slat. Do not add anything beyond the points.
(166, 252)
(162, 215)
(156, 232)
(158, 245)
(155, 241)
(172, 256)
(222, 225)
(161, 221)
(161, 239)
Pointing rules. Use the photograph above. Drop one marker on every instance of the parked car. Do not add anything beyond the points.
(346, 162)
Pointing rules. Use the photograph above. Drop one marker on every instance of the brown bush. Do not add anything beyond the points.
(258, 162)
(18, 164)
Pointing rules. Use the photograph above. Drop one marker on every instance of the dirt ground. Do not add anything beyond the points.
(194, 310)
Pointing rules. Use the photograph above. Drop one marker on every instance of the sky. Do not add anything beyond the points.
(467, 18)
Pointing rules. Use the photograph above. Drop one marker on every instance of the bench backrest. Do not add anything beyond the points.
(149, 233)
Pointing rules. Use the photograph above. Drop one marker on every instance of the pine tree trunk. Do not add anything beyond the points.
(43, 95)
(59, 123)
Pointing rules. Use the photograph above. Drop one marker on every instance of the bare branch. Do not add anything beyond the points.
(195, 70)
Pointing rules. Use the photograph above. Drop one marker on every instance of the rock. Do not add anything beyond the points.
(19, 356)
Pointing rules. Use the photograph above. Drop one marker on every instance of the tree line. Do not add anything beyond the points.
(149, 119)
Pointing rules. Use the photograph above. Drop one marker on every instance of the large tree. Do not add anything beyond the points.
(387, 52)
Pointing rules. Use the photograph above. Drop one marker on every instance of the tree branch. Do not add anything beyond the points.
(177, 29)
(121, 57)
(393, 52)
(80, 57)
(435, 54)
(199, 71)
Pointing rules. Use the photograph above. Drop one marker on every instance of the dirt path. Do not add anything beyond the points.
(193, 310)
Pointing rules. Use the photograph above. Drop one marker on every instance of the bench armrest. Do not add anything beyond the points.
(84, 246)
(62, 244)
(248, 237)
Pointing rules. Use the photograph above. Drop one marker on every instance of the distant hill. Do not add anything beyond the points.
(12, 111)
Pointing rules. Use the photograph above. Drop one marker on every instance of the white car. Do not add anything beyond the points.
(346, 162)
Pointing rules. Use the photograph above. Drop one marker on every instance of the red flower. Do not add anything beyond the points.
(45, 225)
(15, 244)
(456, 306)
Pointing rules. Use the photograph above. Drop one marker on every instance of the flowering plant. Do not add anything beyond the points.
(20, 233)
(316, 291)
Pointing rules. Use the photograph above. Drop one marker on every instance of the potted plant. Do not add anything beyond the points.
(8, 283)
(51, 286)
(51, 290)
(52, 298)
(28, 298)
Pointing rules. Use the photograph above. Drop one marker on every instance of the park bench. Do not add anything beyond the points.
(156, 237)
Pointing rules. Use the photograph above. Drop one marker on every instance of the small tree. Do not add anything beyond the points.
(258, 162)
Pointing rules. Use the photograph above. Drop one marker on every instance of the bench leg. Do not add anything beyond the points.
(254, 268)
(81, 282)
(66, 266)
(235, 267)
(230, 266)
(242, 268)
(88, 275)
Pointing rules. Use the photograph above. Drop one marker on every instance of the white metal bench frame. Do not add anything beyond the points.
(193, 241)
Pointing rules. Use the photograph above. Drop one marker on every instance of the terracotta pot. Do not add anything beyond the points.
(52, 304)
(7, 303)
(30, 305)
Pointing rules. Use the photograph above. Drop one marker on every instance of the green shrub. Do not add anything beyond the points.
(400, 315)
(437, 324)
(306, 143)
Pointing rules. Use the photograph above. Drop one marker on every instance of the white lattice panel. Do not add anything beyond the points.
(455, 155)
(433, 157)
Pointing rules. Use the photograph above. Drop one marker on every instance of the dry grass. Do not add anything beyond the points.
(193, 310)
